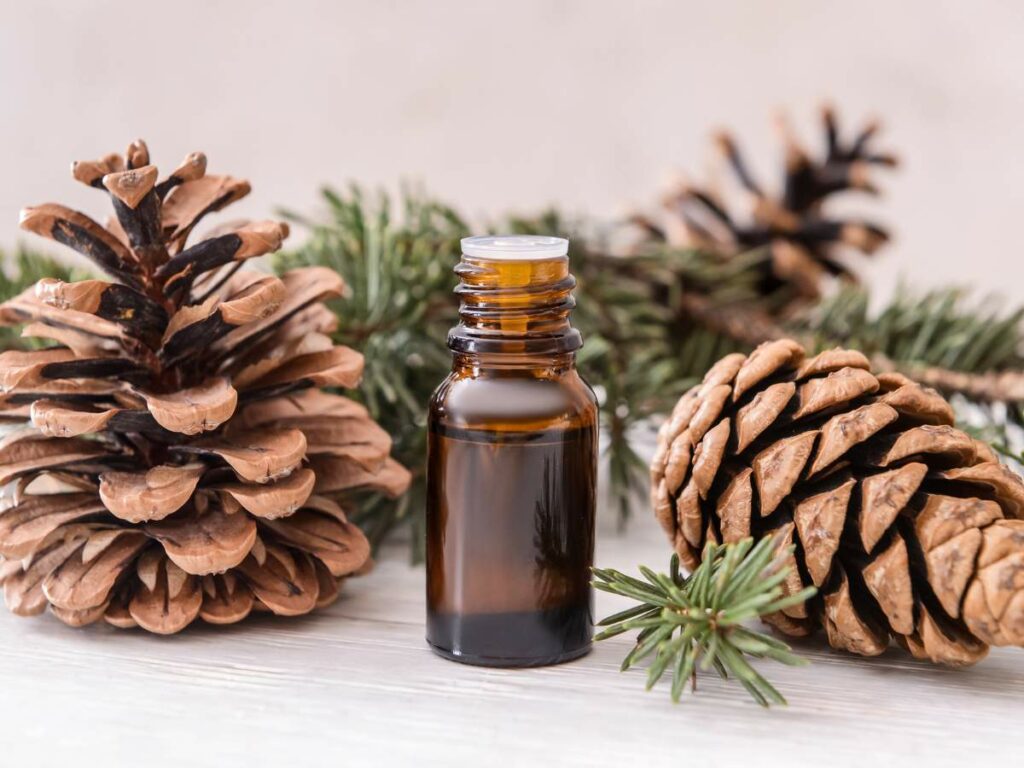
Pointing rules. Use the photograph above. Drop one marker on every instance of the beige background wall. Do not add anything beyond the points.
(498, 105)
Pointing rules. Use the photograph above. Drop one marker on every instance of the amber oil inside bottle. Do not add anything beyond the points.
(512, 465)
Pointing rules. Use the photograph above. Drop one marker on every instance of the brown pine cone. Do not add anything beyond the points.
(909, 528)
(805, 240)
(180, 458)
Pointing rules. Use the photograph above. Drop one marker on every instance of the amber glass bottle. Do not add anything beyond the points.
(512, 465)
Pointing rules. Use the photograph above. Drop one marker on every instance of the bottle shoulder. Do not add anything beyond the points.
(516, 402)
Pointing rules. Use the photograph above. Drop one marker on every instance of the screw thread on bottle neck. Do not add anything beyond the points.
(514, 300)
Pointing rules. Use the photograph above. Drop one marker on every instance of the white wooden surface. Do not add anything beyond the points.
(357, 686)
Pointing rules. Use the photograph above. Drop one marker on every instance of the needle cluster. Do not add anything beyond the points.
(698, 622)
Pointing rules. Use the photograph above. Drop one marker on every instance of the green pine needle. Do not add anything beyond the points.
(942, 328)
(396, 256)
(945, 328)
(696, 622)
(20, 270)
(1004, 448)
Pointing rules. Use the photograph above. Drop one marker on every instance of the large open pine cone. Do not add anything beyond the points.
(181, 459)
(909, 528)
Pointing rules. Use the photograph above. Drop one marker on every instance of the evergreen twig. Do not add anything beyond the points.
(629, 352)
(939, 338)
(696, 622)
(397, 262)
(653, 321)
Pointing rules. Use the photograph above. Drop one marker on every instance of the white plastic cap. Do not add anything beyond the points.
(515, 247)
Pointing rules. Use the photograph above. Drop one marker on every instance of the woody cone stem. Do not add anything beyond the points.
(910, 529)
(178, 455)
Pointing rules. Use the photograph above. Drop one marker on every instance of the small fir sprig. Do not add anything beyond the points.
(698, 621)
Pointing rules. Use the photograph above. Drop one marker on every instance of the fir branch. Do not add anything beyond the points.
(640, 348)
(397, 262)
(641, 345)
(653, 318)
(628, 354)
(696, 622)
(940, 338)
(941, 328)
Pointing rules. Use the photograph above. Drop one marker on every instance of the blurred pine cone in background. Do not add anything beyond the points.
(803, 242)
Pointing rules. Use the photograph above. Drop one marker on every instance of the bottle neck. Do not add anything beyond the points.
(515, 313)
(512, 365)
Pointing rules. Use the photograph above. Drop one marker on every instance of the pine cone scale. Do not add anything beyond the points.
(994, 605)
(883, 496)
(24, 530)
(204, 543)
(888, 579)
(84, 579)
